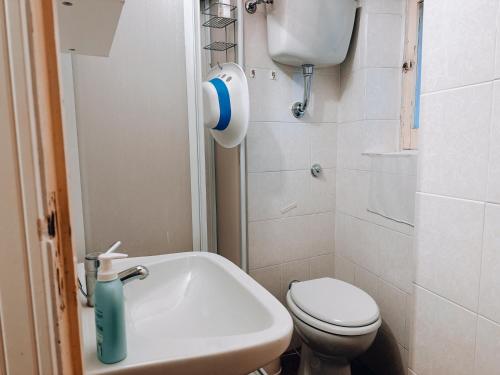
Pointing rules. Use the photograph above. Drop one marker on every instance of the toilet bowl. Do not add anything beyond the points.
(336, 322)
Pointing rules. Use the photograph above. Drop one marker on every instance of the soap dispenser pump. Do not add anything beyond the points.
(110, 311)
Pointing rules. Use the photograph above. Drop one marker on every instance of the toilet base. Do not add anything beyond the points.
(313, 364)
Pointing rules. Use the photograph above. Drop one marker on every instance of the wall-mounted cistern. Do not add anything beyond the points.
(299, 108)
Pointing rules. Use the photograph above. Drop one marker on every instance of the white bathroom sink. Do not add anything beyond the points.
(196, 313)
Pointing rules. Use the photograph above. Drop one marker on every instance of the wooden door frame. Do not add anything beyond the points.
(32, 59)
(56, 227)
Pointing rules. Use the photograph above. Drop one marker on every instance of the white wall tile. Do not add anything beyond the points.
(352, 192)
(295, 146)
(459, 43)
(269, 278)
(384, 41)
(356, 240)
(383, 93)
(271, 100)
(487, 348)
(295, 192)
(295, 238)
(323, 145)
(356, 138)
(343, 269)
(367, 281)
(276, 146)
(265, 195)
(273, 195)
(321, 266)
(352, 90)
(264, 147)
(497, 47)
(320, 231)
(344, 235)
(367, 251)
(396, 258)
(493, 194)
(489, 301)
(444, 335)
(264, 243)
(322, 191)
(448, 247)
(325, 94)
(455, 135)
(277, 241)
(392, 304)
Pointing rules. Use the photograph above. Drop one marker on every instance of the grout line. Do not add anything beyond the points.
(283, 263)
(380, 225)
(295, 216)
(456, 88)
(446, 299)
(435, 195)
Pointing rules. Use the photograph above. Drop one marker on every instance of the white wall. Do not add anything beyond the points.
(298, 243)
(72, 155)
(133, 134)
(457, 309)
(373, 252)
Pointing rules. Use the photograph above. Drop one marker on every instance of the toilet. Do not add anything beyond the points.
(336, 322)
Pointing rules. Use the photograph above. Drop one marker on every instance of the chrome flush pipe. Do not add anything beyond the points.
(299, 108)
(251, 5)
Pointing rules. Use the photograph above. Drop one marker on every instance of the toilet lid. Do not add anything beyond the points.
(335, 302)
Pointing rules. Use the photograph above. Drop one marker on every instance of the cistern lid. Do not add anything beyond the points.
(335, 302)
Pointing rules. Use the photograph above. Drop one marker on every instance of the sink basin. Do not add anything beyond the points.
(196, 313)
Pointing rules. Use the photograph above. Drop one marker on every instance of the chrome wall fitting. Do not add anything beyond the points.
(316, 170)
(251, 5)
(299, 108)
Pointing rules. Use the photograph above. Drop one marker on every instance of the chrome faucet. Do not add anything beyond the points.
(133, 273)
(92, 266)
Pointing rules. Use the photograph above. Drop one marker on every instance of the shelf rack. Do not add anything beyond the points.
(220, 16)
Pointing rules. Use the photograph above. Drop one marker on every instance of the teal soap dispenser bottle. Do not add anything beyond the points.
(110, 311)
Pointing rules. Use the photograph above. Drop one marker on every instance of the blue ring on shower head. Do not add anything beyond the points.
(224, 103)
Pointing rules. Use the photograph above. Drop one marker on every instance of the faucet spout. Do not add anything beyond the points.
(133, 273)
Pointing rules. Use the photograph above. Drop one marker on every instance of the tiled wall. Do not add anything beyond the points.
(290, 213)
(456, 323)
(355, 109)
(371, 251)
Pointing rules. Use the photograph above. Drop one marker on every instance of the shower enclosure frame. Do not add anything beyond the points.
(200, 176)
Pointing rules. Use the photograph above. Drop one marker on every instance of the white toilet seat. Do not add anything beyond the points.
(370, 325)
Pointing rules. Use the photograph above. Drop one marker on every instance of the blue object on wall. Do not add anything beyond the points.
(224, 103)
